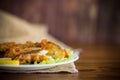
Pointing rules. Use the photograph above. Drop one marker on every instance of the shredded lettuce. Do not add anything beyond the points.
(70, 53)
(51, 61)
(43, 62)
(35, 62)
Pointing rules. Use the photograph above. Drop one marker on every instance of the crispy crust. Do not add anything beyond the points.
(30, 52)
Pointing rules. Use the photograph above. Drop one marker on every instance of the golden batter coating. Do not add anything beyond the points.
(30, 52)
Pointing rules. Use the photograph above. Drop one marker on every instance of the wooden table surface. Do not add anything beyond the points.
(97, 62)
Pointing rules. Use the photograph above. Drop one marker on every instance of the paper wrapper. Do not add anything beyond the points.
(20, 31)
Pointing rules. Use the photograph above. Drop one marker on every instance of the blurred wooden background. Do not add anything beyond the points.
(72, 21)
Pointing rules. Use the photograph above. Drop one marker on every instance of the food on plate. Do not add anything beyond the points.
(9, 61)
(44, 52)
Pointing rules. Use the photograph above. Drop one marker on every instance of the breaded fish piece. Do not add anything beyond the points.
(53, 49)
(30, 52)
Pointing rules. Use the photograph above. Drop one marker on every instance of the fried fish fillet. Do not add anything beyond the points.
(53, 49)
(30, 52)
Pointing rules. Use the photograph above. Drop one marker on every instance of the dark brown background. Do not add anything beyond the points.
(72, 21)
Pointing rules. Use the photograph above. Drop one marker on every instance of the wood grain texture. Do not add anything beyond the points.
(97, 62)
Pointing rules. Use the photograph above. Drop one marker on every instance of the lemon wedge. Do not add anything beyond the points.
(8, 61)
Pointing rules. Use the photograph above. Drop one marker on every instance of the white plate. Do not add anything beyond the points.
(38, 66)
